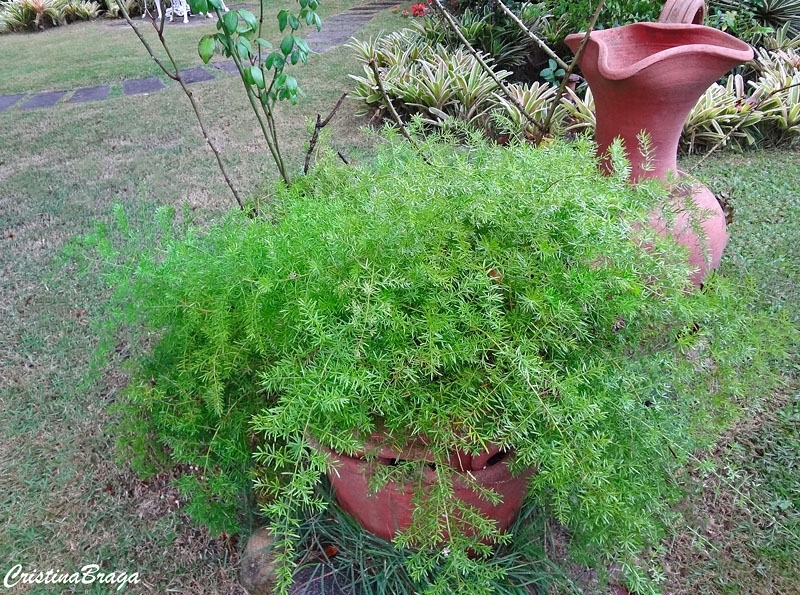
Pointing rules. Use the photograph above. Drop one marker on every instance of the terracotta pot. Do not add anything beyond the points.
(388, 511)
(674, 219)
(648, 77)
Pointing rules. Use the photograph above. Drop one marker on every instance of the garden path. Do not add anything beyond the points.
(336, 30)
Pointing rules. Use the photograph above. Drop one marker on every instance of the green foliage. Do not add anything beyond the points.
(423, 79)
(755, 20)
(31, 15)
(552, 74)
(489, 30)
(371, 302)
(722, 114)
(262, 67)
(575, 14)
(190, 400)
(35, 15)
(364, 563)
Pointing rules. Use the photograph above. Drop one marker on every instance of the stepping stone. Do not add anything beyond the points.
(146, 85)
(229, 66)
(339, 27)
(198, 74)
(333, 39)
(6, 101)
(85, 94)
(45, 99)
(320, 48)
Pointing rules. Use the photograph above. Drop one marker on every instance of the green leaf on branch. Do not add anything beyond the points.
(294, 22)
(287, 45)
(244, 48)
(283, 19)
(226, 48)
(264, 43)
(249, 18)
(206, 48)
(255, 76)
(230, 21)
(276, 61)
(199, 6)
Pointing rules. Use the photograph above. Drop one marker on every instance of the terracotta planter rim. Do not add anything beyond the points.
(689, 38)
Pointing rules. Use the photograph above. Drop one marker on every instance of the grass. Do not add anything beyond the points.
(65, 501)
(108, 51)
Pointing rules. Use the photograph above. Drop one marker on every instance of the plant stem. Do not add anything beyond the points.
(267, 127)
(176, 75)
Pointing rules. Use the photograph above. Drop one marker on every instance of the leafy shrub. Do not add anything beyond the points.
(722, 113)
(34, 15)
(421, 79)
(190, 400)
(489, 30)
(81, 10)
(499, 288)
(133, 7)
(30, 15)
(576, 13)
(778, 85)
(755, 21)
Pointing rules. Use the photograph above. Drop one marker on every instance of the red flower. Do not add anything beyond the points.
(419, 10)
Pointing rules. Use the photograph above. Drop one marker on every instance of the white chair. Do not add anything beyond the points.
(181, 8)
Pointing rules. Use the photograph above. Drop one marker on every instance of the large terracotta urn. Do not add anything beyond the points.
(647, 77)
(389, 510)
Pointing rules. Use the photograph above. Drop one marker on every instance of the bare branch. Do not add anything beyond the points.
(320, 124)
(545, 48)
(176, 75)
(454, 26)
(403, 130)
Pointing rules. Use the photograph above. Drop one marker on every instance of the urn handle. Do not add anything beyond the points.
(690, 12)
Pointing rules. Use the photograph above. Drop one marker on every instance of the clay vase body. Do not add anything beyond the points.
(647, 77)
(389, 511)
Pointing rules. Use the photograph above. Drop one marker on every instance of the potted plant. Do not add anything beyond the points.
(473, 312)
(437, 316)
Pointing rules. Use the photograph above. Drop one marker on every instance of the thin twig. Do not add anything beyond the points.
(176, 75)
(454, 26)
(565, 79)
(545, 48)
(317, 127)
(403, 130)
(724, 140)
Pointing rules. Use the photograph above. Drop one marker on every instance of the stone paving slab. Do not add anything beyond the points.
(146, 85)
(198, 74)
(333, 39)
(229, 66)
(44, 99)
(6, 101)
(85, 94)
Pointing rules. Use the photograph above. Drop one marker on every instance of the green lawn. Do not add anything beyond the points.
(64, 499)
